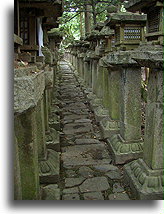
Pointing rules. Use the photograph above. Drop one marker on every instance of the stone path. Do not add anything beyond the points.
(87, 172)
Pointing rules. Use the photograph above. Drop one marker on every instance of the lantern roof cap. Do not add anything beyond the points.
(125, 17)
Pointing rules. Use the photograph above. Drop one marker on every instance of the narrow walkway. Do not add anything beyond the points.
(87, 172)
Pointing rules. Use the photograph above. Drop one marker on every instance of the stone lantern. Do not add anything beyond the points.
(129, 29)
(81, 50)
(122, 88)
(154, 11)
(145, 176)
(91, 57)
(108, 35)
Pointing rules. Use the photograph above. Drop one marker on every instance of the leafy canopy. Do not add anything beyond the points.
(72, 23)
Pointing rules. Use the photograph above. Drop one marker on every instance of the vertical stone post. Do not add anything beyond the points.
(25, 131)
(94, 75)
(99, 82)
(41, 130)
(126, 98)
(17, 176)
(48, 158)
(127, 145)
(46, 112)
(111, 100)
(145, 176)
(81, 66)
(85, 71)
(100, 77)
(87, 74)
(28, 90)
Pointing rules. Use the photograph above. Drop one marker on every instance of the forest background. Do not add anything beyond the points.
(80, 16)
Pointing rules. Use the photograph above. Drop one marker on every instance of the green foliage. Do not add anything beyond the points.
(70, 27)
(70, 22)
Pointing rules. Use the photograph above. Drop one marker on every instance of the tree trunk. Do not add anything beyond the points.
(81, 24)
(87, 19)
(94, 12)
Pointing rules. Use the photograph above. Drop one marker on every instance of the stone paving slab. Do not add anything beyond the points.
(75, 117)
(119, 196)
(95, 184)
(71, 173)
(72, 182)
(94, 154)
(105, 168)
(115, 175)
(93, 196)
(86, 141)
(86, 164)
(71, 190)
(75, 128)
(117, 188)
(76, 111)
(69, 197)
(86, 172)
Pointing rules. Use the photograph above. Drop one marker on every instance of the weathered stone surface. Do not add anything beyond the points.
(77, 128)
(71, 182)
(79, 155)
(119, 58)
(91, 96)
(25, 56)
(95, 103)
(55, 124)
(109, 127)
(95, 184)
(17, 177)
(55, 145)
(149, 55)
(85, 156)
(52, 140)
(93, 196)
(118, 196)
(127, 16)
(83, 121)
(122, 151)
(153, 139)
(49, 78)
(26, 139)
(48, 55)
(105, 168)
(71, 197)
(130, 100)
(51, 192)
(28, 90)
(71, 190)
(49, 169)
(86, 141)
(75, 117)
(113, 175)
(86, 172)
(117, 188)
(100, 113)
(77, 105)
(71, 173)
(146, 184)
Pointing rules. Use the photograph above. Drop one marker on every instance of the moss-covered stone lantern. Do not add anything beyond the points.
(145, 176)
(129, 29)
(108, 35)
(154, 11)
